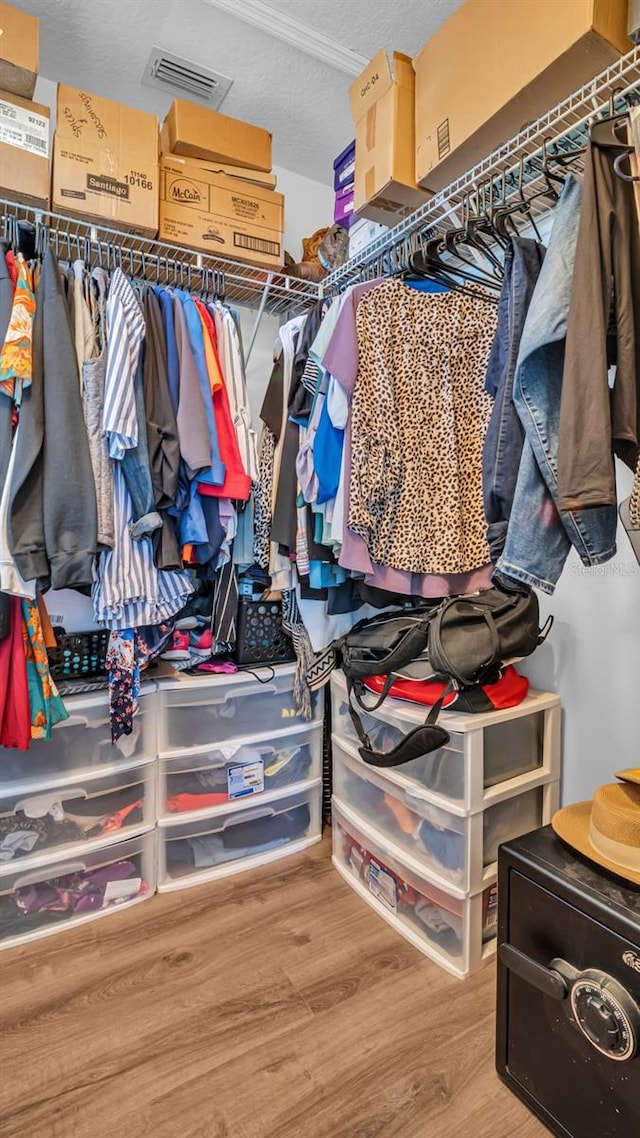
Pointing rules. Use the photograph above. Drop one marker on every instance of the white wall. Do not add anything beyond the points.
(591, 659)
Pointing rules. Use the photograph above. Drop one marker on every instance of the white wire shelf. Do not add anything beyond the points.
(566, 123)
(158, 262)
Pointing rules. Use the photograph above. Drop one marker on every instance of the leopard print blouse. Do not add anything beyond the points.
(419, 417)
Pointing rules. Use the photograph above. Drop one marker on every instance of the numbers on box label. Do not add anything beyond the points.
(136, 178)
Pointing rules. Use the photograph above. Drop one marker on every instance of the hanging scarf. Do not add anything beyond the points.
(16, 354)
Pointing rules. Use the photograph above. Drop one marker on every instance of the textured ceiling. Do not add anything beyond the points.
(103, 46)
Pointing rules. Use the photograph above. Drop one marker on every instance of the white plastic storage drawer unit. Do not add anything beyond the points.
(195, 781)
(81, 745)
(66, 891)
(457, 850)
(232, 839)
(458, 933)
(94, 811)
(199, 712)
(484, 750)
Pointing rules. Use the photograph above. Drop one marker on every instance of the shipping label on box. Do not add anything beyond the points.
(24, 127)
(24, 150)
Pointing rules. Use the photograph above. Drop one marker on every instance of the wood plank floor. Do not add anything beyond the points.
(269, 1005)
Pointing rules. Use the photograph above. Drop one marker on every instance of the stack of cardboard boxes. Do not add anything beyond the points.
(344, 173)
(205, 182)
(217, 190)
(491, 69)
(24, 125)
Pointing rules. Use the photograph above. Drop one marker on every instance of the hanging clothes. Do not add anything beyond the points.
(52, 505)
(129, 591)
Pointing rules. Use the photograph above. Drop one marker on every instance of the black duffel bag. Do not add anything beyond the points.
(464, 640)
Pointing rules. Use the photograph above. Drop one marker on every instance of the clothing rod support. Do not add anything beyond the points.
(258, 319)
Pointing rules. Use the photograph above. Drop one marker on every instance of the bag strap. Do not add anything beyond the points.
(355, 718)
(353, 686)
(545, 630)
(359, 689)
(462, 677)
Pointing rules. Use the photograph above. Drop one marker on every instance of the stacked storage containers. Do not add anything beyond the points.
(240, 774)
(343, 183)
(419, 842)
(77, 821)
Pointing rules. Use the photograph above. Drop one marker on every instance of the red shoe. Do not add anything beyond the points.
(200, 643)
(179, 649)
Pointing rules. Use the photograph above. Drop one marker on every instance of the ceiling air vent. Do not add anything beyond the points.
(170, 72)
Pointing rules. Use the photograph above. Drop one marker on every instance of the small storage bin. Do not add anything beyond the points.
(233, 840)
(81, 745)
(197, 712)
(198, 782)
(458, 850)
(484, 753)
(458, 933)
(63, 892)
(95, 811)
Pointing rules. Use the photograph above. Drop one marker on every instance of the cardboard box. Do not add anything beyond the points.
(496, 65)
(24, 150)
(220, 215)
(19, 33)
(105, 162)
(362, 233)
(197, 132)
(256, 177)
(382, 105)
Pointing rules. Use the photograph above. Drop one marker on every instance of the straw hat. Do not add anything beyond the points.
(607, 829)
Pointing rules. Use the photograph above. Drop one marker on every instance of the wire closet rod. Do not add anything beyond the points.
(158, 262)
(497, 175)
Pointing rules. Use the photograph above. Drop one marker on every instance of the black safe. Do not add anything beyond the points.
(568, 1008)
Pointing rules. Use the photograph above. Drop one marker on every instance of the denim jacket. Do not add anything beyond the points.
(539, 535)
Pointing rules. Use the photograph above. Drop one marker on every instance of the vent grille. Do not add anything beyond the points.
(169, 72)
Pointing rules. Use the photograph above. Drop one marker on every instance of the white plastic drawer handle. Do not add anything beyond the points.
(49, 873)
(42, 804)
(266, 812)
(81, 721)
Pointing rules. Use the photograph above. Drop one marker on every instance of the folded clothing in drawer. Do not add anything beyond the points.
(32, 900)
(81, 745)
(232, 772)
(453, 846)
(452, 930)
(232, 836)
(33, 822)
(199, 712)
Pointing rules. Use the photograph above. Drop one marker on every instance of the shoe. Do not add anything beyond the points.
(200, 643)
(179, 648)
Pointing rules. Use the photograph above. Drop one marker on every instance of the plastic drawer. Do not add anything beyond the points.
(194, 783)
(198, 712)
(81, 745)
(95, 811)
(459, 851)
(458, 933)
(484, 753)
(233, 840)
(63, 892)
